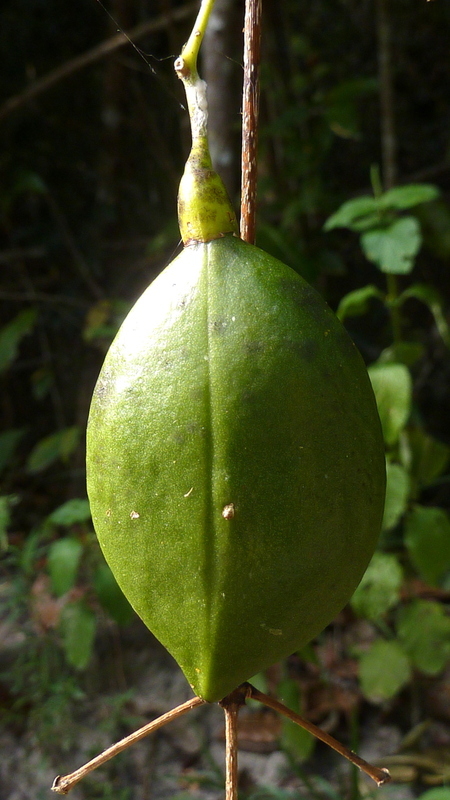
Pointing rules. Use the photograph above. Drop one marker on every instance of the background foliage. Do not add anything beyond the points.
(354, 194)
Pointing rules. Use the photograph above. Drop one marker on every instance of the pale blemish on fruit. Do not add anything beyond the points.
(228, 511)
(188, 494)
(134, 515)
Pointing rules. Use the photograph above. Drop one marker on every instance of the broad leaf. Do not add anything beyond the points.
(78, 631)
(384, 670)
(71, 512)
(393, 391)
(393, 248)
(429, 456)
(350, 212)
(397, 494)
(424, 630)
(439, 793)
(111, 596)
(406, 353)
(58, 445)
(379, 589)
(402, 197)
(63, 559)
(357, 302)
(12, 334)
(427, 539)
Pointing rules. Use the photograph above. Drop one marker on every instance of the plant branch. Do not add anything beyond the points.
(231, 705)
(380, 776)
(63, 784)
(250, 109)
(90, 56)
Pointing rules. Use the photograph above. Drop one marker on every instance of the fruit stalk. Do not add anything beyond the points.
(204, 208)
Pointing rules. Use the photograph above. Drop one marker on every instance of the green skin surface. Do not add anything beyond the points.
(232, 382)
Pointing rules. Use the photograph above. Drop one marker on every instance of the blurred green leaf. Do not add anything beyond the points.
(392, 385)
(431, 298)
(58, 445)
(41, 382)
(110, 595)
(429, 457)
(71, 512)
(357, 302)
(63, 560)
(384, 670)
(427, 539)
(13, 333)
(394, 247)
(402, 197)
(28, 182)
(8, 443)
(5, 519)
(397, 495)
(406, 353)
(350, 212)
(77, 626)
(294, 739)
(342, 105)
(379, 589)
(439, 793)
(424, 630)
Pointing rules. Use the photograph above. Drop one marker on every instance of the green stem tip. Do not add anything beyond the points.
(204, 208)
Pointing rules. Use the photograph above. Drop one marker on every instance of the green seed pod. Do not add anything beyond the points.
(235, 462)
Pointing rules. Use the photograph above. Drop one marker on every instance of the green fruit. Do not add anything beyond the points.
(235, 462)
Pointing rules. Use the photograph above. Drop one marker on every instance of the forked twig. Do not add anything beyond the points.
(63, 784)
(380, 776)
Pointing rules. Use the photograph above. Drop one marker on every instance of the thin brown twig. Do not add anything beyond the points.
(231, 705)
(250, 109)
(380, 776)
(63, 784)
(90, 56)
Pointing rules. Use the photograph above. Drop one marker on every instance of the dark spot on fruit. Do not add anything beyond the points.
(255, 347)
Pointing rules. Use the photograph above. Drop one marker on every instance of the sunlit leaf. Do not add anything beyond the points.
(384, 670)
(379, 589)
(397, 494)
(402, 197)
(77, 627)
(71, 512)
(350, 212)
(392, 385)
(63, 560)
(394, 247)
(357, 302)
